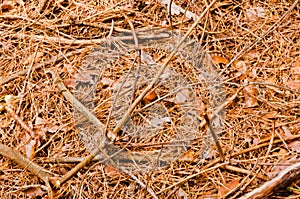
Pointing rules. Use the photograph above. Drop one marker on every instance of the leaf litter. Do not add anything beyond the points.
(68, 26)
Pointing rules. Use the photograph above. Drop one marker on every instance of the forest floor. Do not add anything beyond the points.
(47, 48)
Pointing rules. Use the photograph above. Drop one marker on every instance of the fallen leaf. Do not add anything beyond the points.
(70, 83)
(219, 60)
(250, 101)
(151, 96)
(287, 132)
(34, 192)
(271, 115)
(182, 193)
(111, 171)
(228, 187)
(188, 156)
(295, 146)
(145, 57)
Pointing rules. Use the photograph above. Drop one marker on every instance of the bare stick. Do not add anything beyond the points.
(63, 40)
(26, 163)
(283, 179)
(214, 135)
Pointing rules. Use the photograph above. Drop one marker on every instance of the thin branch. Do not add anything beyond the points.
(283, 179)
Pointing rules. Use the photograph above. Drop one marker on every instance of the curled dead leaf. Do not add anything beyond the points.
(188, 156)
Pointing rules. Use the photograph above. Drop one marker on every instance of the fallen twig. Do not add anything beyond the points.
(283, 179)
(26, 163)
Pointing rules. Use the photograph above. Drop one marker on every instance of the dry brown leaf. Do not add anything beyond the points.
(287, 132)
(228, 187)
(249, 92)
(188, 156)
(111, 171)
(70, 83)
(219, 60)
(34, 192)
(271, 115)
(182, 194)
(151, 96)
(295, 146)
